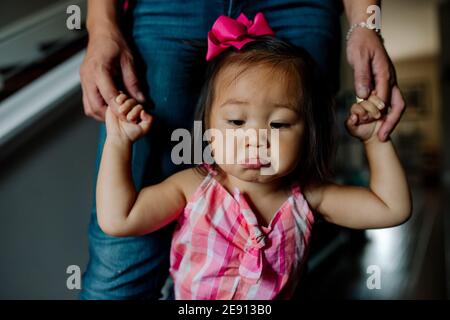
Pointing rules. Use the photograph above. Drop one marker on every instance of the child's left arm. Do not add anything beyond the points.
(387, 201)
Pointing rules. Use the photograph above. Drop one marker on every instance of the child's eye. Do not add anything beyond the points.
(279, 125)
(236, 122)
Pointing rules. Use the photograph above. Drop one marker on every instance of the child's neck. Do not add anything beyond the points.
(263, 198)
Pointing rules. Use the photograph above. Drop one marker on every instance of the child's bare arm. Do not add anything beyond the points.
(160, 204)
(121, 211)
(385, 203)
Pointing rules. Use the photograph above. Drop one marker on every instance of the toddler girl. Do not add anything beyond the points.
(242, 233)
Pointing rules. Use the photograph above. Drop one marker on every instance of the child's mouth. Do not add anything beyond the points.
(255, 163)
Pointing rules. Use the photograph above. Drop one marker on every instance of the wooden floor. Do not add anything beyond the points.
(411, 258)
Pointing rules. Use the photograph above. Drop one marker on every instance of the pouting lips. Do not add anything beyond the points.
(255, 163)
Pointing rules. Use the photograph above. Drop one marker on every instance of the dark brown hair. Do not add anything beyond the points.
(316, 103)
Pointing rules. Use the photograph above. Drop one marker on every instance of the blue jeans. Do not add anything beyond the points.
(171, 74)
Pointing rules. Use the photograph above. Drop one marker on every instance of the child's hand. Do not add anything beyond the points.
(365, 118)
(136, 122)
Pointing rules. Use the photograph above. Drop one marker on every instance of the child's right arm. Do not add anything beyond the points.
(121, 211)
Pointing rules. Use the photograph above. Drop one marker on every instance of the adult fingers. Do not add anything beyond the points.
(107, 88)
(383, 75)
(398, 106)
(93, 103)
(130, 79)
(363, 75)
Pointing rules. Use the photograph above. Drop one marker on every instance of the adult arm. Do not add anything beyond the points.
(107, 56)
(373, 69)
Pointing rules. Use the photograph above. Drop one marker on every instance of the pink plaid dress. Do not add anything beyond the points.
(220, 252)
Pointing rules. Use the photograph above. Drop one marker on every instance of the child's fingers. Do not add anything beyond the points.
(371, 108)
(134, 113)
(352, 123)
(126, 106)
(352, 120)
(377, 102)
(360, 112)
(146, 121)
(121, 97)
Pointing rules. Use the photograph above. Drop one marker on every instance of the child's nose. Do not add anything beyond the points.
(259, 145)
(262, 141)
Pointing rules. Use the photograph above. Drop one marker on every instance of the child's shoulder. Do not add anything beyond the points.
(314, 194)
(188, 180)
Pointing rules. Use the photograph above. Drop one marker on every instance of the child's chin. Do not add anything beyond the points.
(256, 175)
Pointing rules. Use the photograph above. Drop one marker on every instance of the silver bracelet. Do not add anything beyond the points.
(363, 25)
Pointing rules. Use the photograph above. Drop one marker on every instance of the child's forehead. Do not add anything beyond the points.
(258, 79)
(264, 71)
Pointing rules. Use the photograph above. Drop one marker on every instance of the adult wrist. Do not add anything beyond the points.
(103, 28)
(102, 15)
(357, 10)
(362, 25)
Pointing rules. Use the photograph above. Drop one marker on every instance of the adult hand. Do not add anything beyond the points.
(107, 56)
(374, 71)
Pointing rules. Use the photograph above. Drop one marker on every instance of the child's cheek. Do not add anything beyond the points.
(289, 151)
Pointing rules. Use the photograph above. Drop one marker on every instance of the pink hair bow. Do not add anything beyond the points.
(227, 32)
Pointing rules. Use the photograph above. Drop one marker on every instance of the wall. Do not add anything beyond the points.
(45, 201)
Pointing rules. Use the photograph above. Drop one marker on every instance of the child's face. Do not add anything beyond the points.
(262, 102)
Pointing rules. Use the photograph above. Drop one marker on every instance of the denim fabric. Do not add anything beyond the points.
(171, 74)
